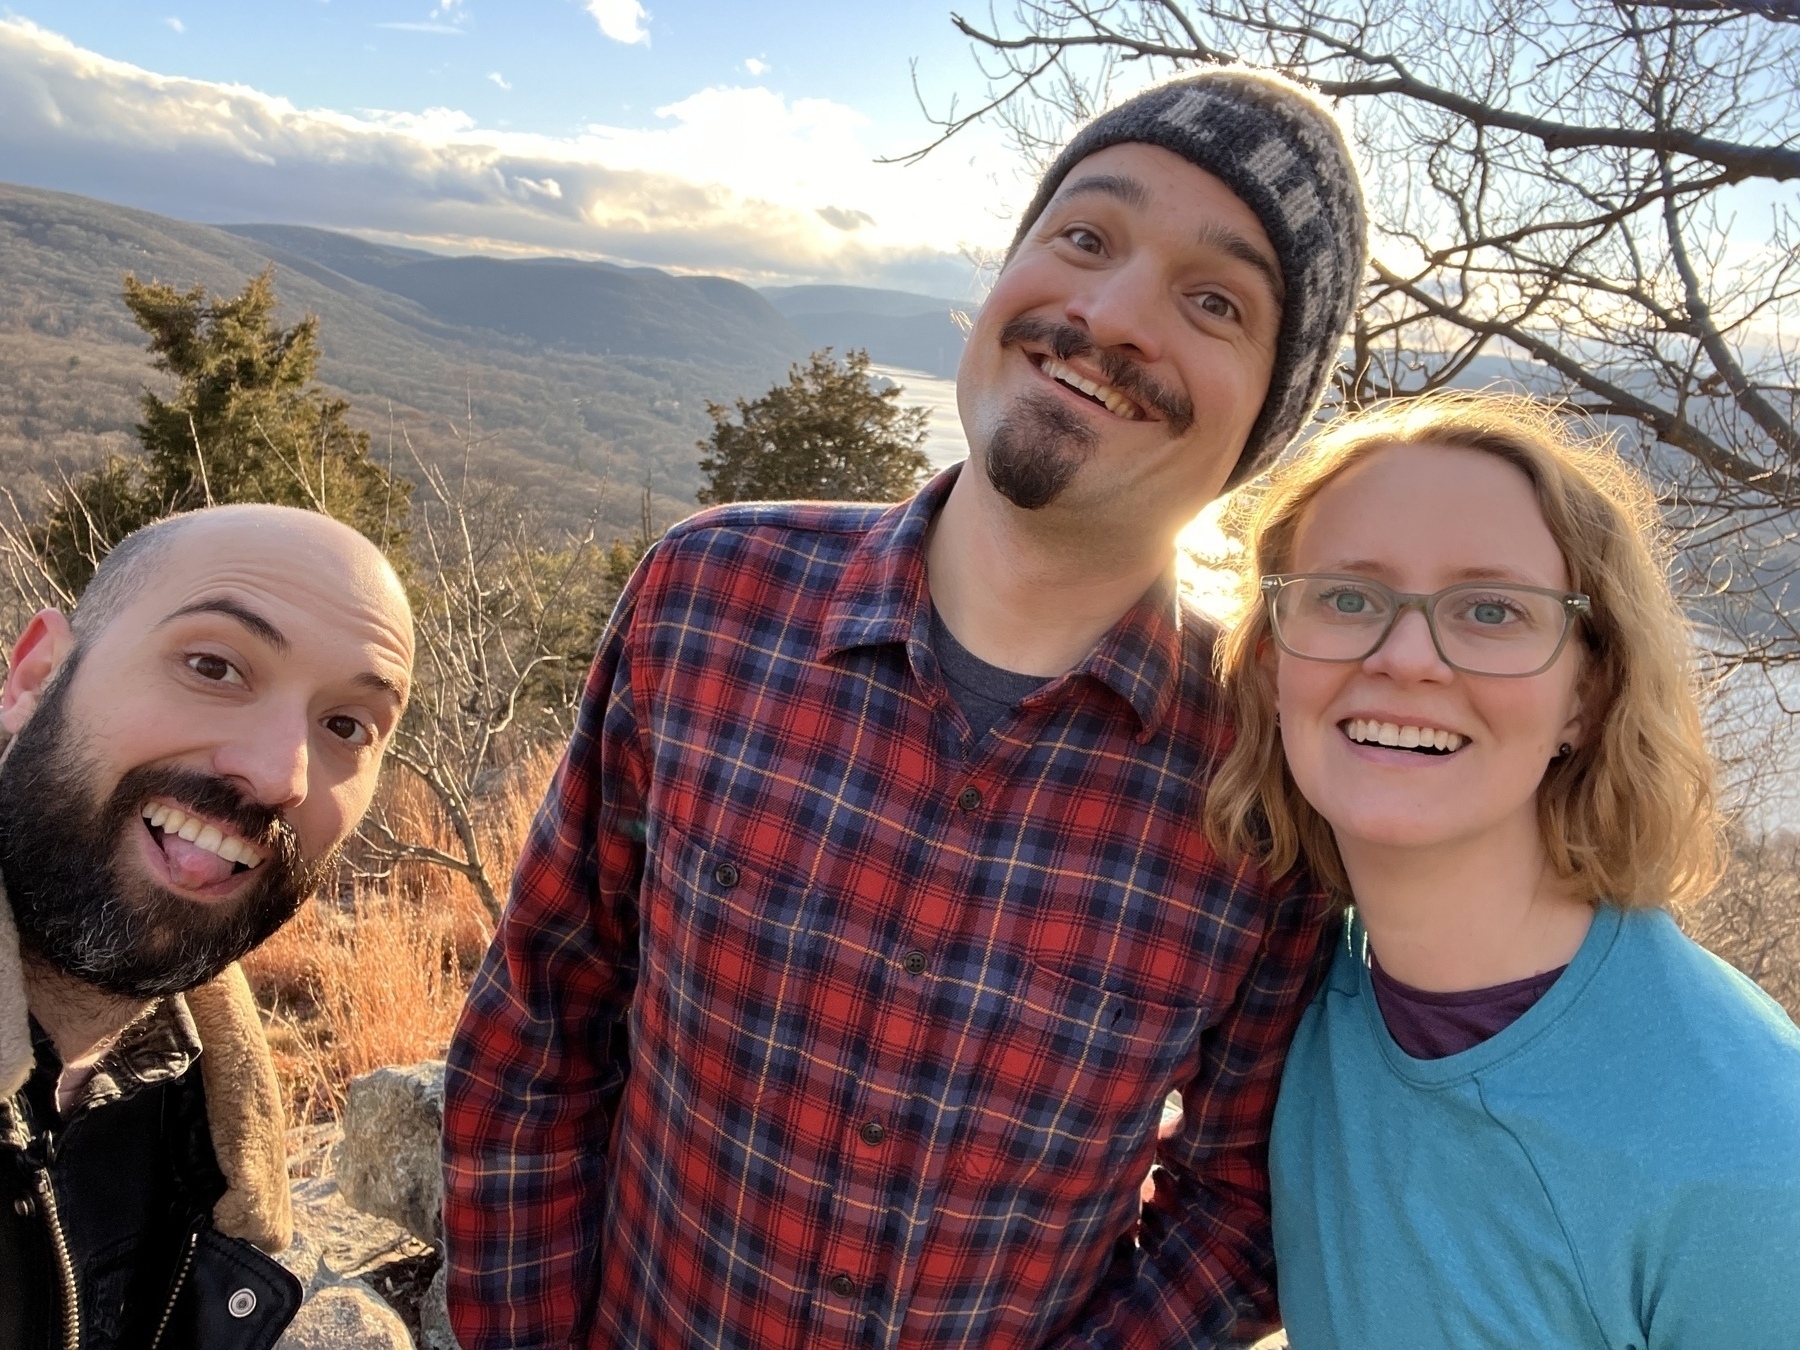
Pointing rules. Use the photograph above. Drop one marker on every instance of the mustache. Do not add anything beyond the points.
(1120, 371)
(208, 795)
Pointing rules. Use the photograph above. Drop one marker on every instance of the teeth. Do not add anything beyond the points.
(1116, 403)
(172, 820)
(1368, 731)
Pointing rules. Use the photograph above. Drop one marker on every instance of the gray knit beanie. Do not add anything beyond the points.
(1281, 151)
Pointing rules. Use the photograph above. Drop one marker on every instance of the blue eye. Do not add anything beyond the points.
(1489, 613)
(1349, 602)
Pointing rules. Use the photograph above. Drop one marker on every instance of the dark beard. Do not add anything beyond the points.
(1036, 450)
(1040, 444)
(77, 906)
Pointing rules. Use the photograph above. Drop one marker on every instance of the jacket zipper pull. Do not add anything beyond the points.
(39, 1154)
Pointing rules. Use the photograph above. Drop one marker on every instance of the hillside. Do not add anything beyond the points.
(917, 332)
(580, 381)
(566, 303)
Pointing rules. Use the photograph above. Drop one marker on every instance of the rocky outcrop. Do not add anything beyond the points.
(345, 1317)
(367, 1236)
(387, 1163)
(364, 1276)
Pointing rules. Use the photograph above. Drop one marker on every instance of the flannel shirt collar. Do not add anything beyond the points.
(882, 598)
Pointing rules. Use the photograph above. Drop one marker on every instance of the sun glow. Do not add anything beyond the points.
(1206, 565)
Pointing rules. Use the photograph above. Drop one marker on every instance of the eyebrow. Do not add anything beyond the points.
(1380, 571)
(1118, 185)
(381, 684)
(1228, 241)
(242, 613)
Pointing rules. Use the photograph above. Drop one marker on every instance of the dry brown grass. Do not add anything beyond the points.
(374, 972)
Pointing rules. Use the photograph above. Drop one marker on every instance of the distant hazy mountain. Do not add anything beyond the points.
(918, 332)
(559, 302)
(579, 381)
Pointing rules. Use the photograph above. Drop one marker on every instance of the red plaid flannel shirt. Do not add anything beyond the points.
(812, 1023)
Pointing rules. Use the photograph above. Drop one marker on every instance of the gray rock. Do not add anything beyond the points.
(387, 1162)
(334, 1241)
(303, 1255)
(434, 1317)
(345, 1316)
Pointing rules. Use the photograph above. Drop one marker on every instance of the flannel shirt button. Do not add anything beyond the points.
(726, 875)
(969, 798)
(914, 962)
(843, 1286)
(873, 1132)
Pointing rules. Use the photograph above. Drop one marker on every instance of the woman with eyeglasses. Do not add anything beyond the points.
(1524, 1110)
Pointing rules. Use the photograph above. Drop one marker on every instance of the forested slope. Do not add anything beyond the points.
(581, 381)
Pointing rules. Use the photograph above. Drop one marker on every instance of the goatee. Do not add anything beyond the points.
(1036, 451)
(88, 911)
(1040, 443)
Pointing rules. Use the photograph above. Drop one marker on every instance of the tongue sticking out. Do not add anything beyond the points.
(192, 866)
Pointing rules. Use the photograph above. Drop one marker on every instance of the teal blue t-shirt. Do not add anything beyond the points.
(1619, 1168)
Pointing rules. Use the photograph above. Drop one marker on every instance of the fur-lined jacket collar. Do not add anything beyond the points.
(243, 1100)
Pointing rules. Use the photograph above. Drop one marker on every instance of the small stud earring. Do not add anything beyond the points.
(1564, 750)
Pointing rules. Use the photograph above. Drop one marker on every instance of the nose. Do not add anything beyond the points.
(268, 756)
(1119, 307)
(1408, 652)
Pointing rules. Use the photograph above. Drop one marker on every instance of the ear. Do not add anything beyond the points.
(1581, 698)
(36, 656)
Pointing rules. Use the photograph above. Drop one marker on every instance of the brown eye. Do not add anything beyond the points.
(348, 729)
(1215, 304)
(1085, 240)
(215, 668)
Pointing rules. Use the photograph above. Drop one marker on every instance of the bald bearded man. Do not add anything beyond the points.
(189, 748)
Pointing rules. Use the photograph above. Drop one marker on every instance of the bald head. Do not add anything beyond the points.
(316, 540)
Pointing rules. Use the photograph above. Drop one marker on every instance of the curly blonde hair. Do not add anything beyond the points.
(1629, 817)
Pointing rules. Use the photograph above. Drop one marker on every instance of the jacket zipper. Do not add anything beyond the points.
(181, 1274)
(59, 1242)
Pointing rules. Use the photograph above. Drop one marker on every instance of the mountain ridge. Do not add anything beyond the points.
(576, 383)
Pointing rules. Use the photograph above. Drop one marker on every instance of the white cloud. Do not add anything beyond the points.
(176, 24)
(499, 79)
(731, 180)
(756, 66)
(428, 26)
(621, 20)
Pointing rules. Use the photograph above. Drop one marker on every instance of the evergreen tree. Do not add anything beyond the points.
(827, 434)
(247, 423)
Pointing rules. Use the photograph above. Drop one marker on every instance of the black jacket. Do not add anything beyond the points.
(106, 1236)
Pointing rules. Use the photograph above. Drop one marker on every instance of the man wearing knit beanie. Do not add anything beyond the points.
(870, 921)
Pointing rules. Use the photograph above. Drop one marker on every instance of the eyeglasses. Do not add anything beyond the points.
(1478, 627)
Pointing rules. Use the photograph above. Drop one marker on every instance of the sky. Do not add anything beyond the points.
(698, 135)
